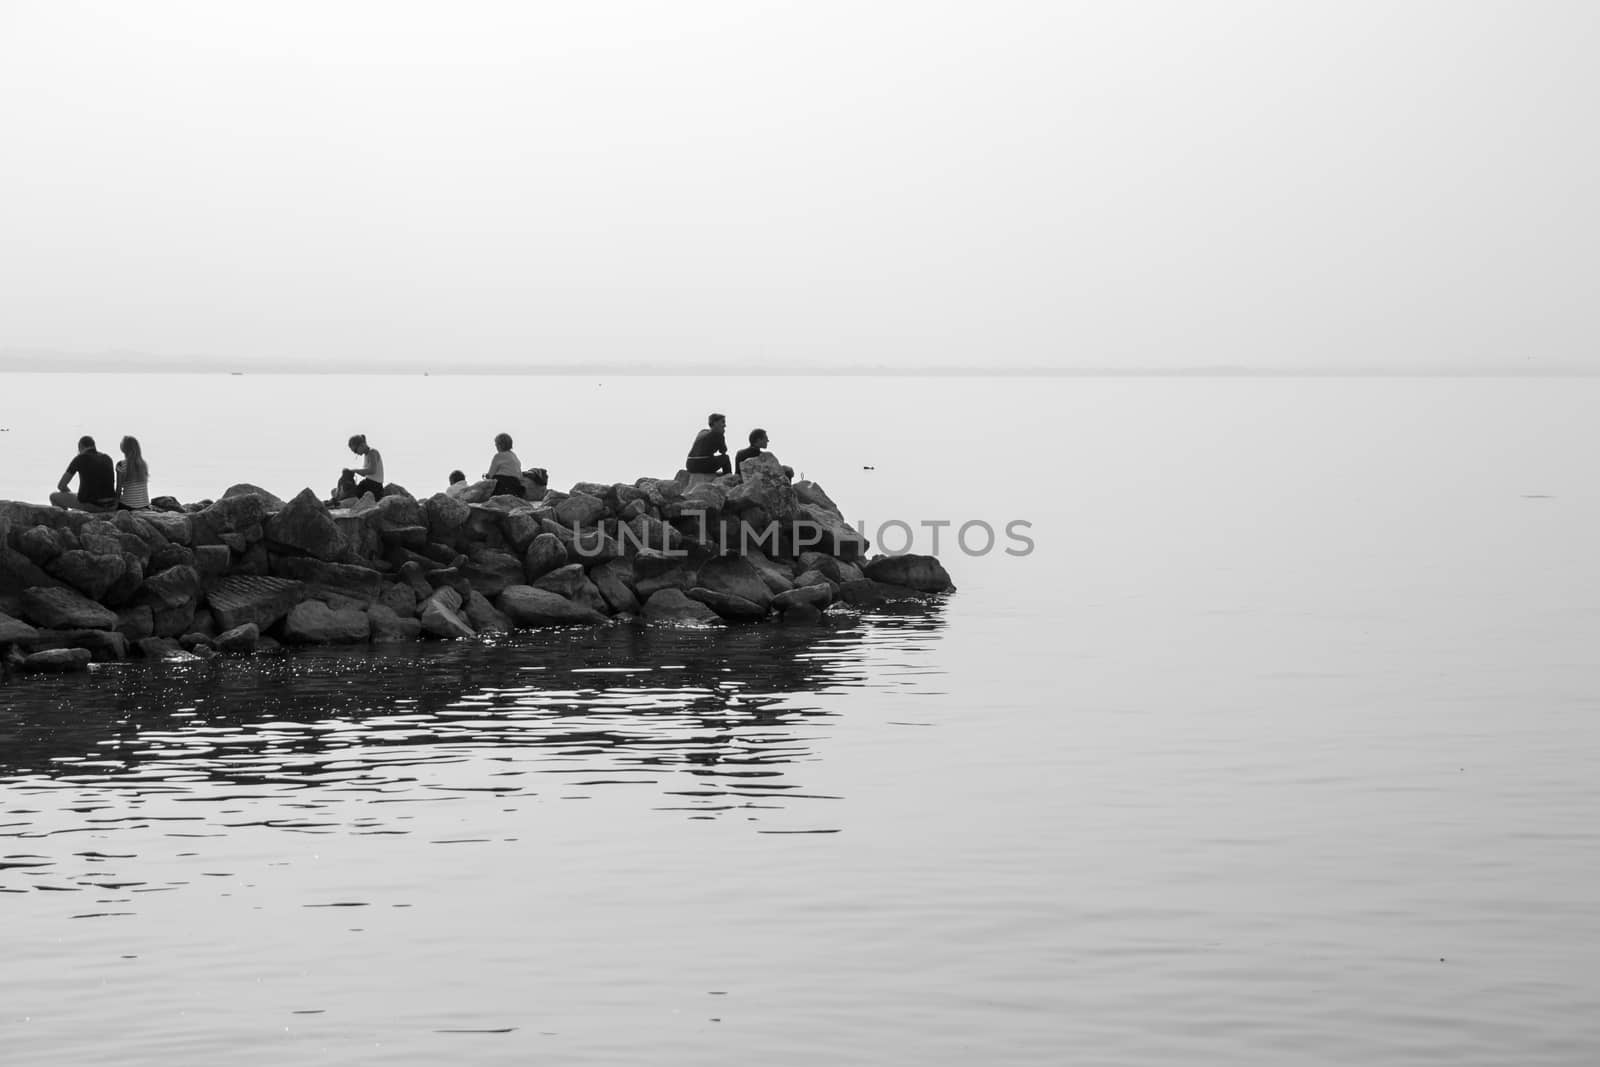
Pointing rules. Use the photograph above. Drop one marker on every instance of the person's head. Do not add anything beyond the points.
(758, 437)
(85, 443)
(133, 455)
(716, 420)
(456, 477)
(502, 441)
(358, 444)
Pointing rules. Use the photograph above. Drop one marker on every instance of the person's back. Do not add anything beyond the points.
(709, 453)
(97, 480)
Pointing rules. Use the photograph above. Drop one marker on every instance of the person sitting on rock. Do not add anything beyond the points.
(758, 441)
(133, 477)
(709, 453)
(97, 480)
(370, 472)
(506, 468)
(459, 487)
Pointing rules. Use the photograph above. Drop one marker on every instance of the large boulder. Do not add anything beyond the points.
(243, 515)
(738, 577)
(764, 485)
(58, 660)
(563, 581)
(811, 493)
(673, 607)
(304, 523)
(18, 572)
(65, 609)
(727, 605)
(174, 526)
(579, 510)
(818, 596)
(136, 622)
(239, 639)
(40, 544)
(441, 615)
(271, 501)
(388, 627)
(90, 573)
(173, 586)
(866, 593)
(400, 598)
(491, 569)
(322, 578)
(446, 515)
(614, 580)
(527, 606)
(545, 554)
(519, 528)
(820, 529)
(482, 616)
(15, 631)
(238, 599)
(315, 623)
(922, 573)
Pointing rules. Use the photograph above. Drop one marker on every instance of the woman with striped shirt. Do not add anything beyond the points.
(133, 477)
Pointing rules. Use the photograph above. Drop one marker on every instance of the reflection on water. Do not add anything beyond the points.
(326, 742)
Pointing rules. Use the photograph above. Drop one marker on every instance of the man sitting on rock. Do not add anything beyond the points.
(758, 441)
(709, 453)
(370, 472)
(97, 480)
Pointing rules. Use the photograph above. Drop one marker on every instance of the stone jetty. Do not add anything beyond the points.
(251, 572)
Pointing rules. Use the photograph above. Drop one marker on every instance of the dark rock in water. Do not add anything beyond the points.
(136, 622)
(727, 605)
(313, 622)
(304, 523)
(673, 607)
(922, 573)
(166, 650)
(319, 576)
(171, 622)
(15, 631)
(400, 598)
(65, 609)
(545, 554)
(413, 575)
(682, 578)
(737, 577)
(240, 638)
(527, 606)
(105, 646)
(614, 581)
(832, 569)
(818, 596)
(802, 614)
(441, 615)
(238, 599)
(388, 627)
(866, 593)
(88, 573)
(173, 586)
(58, 660)
(482, 616)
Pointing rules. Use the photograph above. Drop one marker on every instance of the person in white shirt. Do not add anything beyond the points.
(506, 468)
(370, 472)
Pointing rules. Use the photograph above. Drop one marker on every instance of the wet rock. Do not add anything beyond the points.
(614, 581)
(413, 575)
(802, 614)
(15, 631)
(166, 650)
(387, 627)
(400, 598)
(673, 607)
(819, 596)
(171, 622)
(313, 622)
(727, 605)
(58, 660)
(736, 577)
(65, 609)
(240, 639)
(440, 615)
(922, 573)
(779, 577)
(240, 599)
(866, 593)
(563, 581)
(526, 606)
(482, 615)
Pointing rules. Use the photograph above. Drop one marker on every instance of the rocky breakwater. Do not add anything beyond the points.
(252, 572)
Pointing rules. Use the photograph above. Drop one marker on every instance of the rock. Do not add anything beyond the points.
(866, 593)
(166, 650)
(545, 554)
(672, 607)
(212, 561)
(614, 581)
(239, 639)
(450, 578)
(922, 573)
(490, 570)
(237, 514)
(593, 547)
(563, 581)
(415, 576)
(171, 622)
(397, 513)
(579, 510)
(15, 631)
(736, 577)
(519, 528)
(58, 660)
(40, 544)
(811, 493)
(440, 616)
(270, 501)
(779, 577)
(173, 586)
(446, 515)
(304, 523)
(645, 534)
(238, 599)
(320, 577)
(102, 645)
(764, 485)
(171, 555)
(87, 572)
(704, 497)
(482, 616)
(387, 627)
(818, 596)
(728, 605)
(18, 572)
(802, 614)
(832, 569)
(527, 606)
(174, 526)
(409, 537)
(65, 609)
(400, 598)
(820, 529)
(313, 622)
(816, 577)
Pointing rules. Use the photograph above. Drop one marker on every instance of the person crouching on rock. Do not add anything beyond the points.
(709, 453)
(370, 472)
(758, 441)
(97, 483)
(506, 468)
(133, 477)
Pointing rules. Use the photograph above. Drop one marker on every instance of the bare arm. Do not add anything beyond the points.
(61, 486)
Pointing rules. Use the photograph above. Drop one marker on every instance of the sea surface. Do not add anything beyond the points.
(1275, 739)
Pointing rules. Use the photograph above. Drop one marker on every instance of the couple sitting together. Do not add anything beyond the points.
(709, 453)
(102, 487)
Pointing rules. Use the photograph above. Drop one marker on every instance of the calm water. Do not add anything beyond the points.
(1278, 748)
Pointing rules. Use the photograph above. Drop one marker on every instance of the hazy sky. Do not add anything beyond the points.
(1111, 183)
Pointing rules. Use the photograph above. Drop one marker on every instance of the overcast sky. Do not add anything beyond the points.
(1115, 183)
